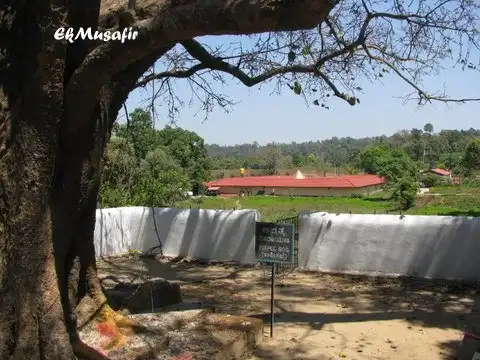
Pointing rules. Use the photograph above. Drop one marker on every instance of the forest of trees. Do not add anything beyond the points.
(444, 149)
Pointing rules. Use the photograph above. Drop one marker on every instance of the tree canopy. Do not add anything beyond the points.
(471, 158)
(319, 58)
(149, 167)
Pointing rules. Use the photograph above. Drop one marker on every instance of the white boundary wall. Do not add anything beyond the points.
(442, 247)
(223, 235)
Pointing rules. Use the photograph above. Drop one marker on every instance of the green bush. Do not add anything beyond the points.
(404, 193)
(430, 180)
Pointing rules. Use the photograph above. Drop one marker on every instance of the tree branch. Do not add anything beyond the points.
(207, 61)
(237, 17)
(368, 37)
(161, 24)
(339, 55)
(422, 94)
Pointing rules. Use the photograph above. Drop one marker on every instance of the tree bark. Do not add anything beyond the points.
(31, 317)
(60, 227)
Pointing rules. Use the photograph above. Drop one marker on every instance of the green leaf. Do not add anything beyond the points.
(307, 50)
(297, 88)
(291, 56)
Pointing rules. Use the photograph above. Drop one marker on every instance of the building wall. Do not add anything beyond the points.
(303, 191)
(223, 235)
(443, 247)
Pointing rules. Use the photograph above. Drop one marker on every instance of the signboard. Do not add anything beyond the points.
(274, 242)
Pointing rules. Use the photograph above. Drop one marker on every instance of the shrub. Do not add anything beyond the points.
(404, 193)
(430, 180)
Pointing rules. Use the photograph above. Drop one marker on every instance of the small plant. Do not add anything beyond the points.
(198, 200)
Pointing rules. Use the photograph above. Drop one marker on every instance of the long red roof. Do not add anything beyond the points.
(442, 172)
(349, 181)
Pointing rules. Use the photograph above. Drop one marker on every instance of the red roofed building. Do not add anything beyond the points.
(292, 186)
(440, 172)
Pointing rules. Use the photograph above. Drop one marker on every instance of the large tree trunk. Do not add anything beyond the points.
(48, 208)
(49, 187)
(49, 183)
(31, 317)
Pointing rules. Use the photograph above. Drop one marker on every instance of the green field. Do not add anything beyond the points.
(462, 201)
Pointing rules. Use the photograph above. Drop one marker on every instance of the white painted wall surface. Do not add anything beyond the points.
(223, 235)
(442, 247)
(423, 246)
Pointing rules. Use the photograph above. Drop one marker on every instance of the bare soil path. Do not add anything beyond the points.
(322, 316)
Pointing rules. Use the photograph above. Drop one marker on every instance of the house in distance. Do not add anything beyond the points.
(441, 172)
(298, 185)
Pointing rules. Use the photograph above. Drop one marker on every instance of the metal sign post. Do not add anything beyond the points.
(272, 300)
(274, 244)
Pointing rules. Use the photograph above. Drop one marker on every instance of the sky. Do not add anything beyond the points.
(264, 117)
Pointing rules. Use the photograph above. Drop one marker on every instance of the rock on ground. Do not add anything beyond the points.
(137, 297)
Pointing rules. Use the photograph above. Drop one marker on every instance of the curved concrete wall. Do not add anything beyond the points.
(444, 247)
(223, 235)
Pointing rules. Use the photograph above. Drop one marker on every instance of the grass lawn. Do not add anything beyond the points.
(455, 190)
(461, 201)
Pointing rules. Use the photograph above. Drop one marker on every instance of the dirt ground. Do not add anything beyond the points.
(320, 316)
